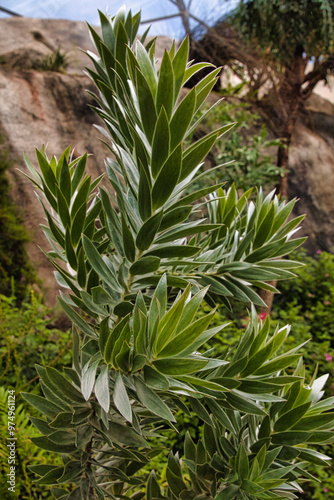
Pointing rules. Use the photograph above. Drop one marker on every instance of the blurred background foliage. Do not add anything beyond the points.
(28, 336)
(14, 262)
(249, 152)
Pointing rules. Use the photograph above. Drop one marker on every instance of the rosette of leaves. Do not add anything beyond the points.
(259, 440)
(135, 260)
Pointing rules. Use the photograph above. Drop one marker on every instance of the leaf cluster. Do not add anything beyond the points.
(285, 26)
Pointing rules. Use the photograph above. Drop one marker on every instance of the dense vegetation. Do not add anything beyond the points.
(306, 303)
(14, 262)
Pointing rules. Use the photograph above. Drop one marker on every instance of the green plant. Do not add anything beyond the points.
(312, 294)
(26, 338)
(307, 304)
(244, 157)
(14, 262)
(56, 61)
(138, 262)
(26, 452)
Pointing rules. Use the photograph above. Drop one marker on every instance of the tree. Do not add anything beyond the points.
(291, 34)
(134, 283)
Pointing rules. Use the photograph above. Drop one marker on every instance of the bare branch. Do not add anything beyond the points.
(162, 18)
(10, 12)
(317, 75)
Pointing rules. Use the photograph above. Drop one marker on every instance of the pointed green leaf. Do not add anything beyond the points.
(179, 66)
(81, 324)
(195, 153)
(181, 119)
(46, 407)
(148, 231)
(152, 401)
(167, 178)
(175, 217)
(46, 444)
(165, 92)
(179, 366)
(121, 399)
(128, 241)
(146, 67)
(47, 173)
(102, 389)
(187, 336)
(145, 265)
(144, 194)
(146, 104)
(160, 144)
(155, 379)
(172, 251)
(88, 379)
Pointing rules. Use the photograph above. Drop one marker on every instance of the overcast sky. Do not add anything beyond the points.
(86, 10)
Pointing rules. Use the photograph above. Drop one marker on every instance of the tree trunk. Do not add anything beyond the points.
(289, 102)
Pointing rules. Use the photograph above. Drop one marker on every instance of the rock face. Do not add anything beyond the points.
(41, 107)
(312, 173)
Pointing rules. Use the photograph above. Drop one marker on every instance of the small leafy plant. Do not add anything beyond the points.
(26, 339)
(136, 260)
(245, 154)
(57, 61)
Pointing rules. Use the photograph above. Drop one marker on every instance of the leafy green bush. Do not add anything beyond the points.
(26, 452)
(245, 154)
(14, 262)
(56, 61)
(312, 295)
(25, 339)
(307, 303)
(137, 261)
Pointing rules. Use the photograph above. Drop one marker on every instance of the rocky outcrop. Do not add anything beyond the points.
(311, 177)
(41, 107)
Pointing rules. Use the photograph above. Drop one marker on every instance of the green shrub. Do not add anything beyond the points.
(307, 303)
(56, 61)
(312, 294)
(26, 452)
(245, 154)
(137, 261)
(26, 339)
(14, 262)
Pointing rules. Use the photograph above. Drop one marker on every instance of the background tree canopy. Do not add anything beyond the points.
(286, 26)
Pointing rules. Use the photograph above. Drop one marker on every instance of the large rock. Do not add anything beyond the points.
(311, 178)
(38, 38)
(25, 43)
